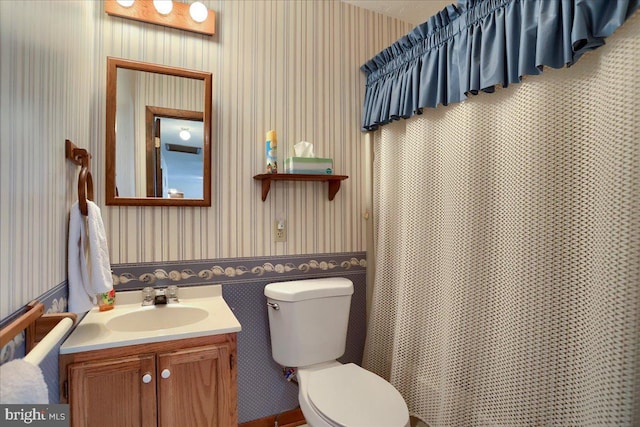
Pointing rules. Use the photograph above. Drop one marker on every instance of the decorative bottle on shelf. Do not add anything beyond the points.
(272, 152)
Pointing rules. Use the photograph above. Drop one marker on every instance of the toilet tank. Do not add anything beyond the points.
(308, 320)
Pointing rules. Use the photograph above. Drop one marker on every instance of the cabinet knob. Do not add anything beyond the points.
(166, 373)
(146, 378)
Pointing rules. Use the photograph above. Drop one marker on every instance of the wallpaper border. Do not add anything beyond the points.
(235, 270)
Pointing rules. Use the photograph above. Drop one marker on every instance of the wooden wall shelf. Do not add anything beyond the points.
(266, 178)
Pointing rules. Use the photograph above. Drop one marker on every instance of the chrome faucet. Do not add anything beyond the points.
(152, 296)
(160, 298)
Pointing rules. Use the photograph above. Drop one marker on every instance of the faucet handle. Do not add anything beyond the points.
(148, 295)
(172, 293)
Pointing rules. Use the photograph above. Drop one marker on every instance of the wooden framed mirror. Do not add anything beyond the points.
(158, 135)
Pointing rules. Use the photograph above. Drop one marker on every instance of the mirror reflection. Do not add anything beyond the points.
(174, 153)
(158, 131)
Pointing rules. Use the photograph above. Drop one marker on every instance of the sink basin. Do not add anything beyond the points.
(156, 317)
(201, 312)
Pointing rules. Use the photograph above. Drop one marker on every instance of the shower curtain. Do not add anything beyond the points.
(507, 242)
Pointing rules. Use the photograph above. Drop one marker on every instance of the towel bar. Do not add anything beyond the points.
(40, 351)
(40, 329)
(81, 157)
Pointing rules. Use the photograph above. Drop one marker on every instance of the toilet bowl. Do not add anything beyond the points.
(337, 395)
(308, 321)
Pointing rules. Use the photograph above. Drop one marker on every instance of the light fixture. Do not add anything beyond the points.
(198, 11)
(164, 7)
(185, 134)
(195, 17)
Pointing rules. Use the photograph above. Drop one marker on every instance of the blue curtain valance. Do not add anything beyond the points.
(477, 44)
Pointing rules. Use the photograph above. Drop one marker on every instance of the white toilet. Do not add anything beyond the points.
(308, 320)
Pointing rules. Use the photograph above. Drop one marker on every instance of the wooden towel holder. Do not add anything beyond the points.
(81, 157)
(36, 323)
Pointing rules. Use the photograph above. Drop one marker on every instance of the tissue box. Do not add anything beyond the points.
(309, 165)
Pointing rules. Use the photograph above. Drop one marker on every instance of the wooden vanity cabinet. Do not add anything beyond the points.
(189, 382)
(111, 391)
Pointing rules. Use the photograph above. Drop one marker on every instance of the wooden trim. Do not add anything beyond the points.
(36, 324)
(291, 418)
(34, 311)
(110, 131)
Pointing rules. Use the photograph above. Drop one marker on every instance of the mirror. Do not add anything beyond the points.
(158, 135)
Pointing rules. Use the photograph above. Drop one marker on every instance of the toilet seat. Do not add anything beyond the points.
(350, 396)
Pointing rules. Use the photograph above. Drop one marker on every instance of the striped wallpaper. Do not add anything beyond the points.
(47, 83)
(292, 66)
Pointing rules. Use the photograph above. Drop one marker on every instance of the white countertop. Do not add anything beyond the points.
(92, 332)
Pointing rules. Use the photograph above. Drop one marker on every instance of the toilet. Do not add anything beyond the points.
(308, 320)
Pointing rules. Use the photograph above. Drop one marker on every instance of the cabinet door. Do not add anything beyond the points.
(194, 388)
(114, 392)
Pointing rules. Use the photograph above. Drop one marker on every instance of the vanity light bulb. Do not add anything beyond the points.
(198, 12)
(185, 135)
(125, 3)
(164, 7)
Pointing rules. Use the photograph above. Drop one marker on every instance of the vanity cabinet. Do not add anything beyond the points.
(188, 382)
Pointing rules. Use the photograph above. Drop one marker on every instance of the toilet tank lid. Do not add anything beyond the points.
(300, 290)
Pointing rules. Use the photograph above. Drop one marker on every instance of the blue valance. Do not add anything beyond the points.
(477, 44)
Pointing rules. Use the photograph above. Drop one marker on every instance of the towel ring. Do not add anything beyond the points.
(85, 189)
(81, 157)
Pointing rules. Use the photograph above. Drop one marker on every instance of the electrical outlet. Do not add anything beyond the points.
(280, 230)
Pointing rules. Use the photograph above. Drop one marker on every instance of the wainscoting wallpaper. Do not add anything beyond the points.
(288, 65)
(262, 389)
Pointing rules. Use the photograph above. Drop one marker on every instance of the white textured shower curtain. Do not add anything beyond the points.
(507, 241)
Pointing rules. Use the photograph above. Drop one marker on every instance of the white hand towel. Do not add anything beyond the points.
(22, 383)
(101, 279)
(80, 297)
(89, 266)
